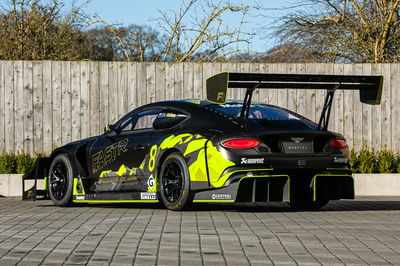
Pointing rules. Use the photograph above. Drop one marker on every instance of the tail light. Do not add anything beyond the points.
(241, 143)
(338, 143)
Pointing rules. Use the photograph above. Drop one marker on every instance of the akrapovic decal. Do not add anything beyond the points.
(252, 160)
(105, 157)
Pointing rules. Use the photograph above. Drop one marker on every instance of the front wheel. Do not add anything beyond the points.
(60, 180)
(175, 183)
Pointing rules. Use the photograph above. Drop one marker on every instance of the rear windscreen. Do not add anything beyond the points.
(266, 116)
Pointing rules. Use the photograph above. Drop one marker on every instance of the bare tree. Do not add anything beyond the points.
(39, 29)
(197, 31)
(345, 30)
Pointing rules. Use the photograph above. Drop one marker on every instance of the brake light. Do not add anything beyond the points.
(241, 143)
(338, 143)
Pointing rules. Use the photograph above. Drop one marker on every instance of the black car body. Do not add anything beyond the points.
(177, 152)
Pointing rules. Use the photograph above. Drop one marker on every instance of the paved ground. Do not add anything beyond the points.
(346, 232)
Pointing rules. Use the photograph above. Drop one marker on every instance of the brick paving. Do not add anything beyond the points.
(356, 232)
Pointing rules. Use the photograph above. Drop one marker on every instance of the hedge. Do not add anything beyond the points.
(363, 161)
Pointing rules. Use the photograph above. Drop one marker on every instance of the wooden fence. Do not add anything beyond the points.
(44, 104)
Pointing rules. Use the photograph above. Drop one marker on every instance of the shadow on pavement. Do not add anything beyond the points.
(342, 205)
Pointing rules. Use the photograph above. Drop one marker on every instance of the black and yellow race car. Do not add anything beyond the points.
(214, 150)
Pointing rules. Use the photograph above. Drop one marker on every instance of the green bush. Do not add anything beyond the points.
(24, 162)
(8, 163)
(387, 161)
(365, 162)
(354, 162)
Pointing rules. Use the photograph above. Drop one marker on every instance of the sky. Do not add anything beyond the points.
(141, 12)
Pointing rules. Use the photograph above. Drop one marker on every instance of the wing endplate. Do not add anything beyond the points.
(217, 87)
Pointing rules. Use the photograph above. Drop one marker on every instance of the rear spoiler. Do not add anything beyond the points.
(370, 88)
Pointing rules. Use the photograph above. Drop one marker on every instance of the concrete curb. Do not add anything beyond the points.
(377, 184)
(364, 184)
(10, 185)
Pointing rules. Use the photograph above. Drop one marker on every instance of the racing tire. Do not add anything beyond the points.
(174, 183)
(60, 181)
(308, 204)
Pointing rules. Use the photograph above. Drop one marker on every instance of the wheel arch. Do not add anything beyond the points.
(165, 155)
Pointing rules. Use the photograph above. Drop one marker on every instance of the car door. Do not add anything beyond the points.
(115, 154)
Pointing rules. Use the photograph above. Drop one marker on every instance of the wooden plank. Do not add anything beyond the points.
(367, 126)
(141, 83)
(291, 94)
(348, 110)
(207, 72)
(243, 68)
(47, 108)
(160, 85)
(104, 97)
(56, 77)
(94, 93)
(66, 112)
(122, 89)
(338, 101)
(113, 92)
(9, 106)
(85, 84)
(395, 106)
(198, 81)
(178, 81)
(233, 94)
(169, 81)
(19, 105)
(386, 118)
(319, 94)
(188, 79)
(357, 113)
(151, 82)
(301, 94)
(374, 134)
(28, 107)
(75, 100)
(310, 95)
(329, 70)
(278, 96)
(2, 107)
(264, 94)
(255, 68)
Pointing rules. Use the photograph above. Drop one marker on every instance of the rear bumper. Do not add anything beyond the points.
(269, 185)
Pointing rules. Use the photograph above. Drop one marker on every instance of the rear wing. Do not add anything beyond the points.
(369, 87)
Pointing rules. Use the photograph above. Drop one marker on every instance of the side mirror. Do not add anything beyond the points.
(109, 130)
(168, 121)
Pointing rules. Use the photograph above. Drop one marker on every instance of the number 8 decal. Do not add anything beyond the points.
(152, 160)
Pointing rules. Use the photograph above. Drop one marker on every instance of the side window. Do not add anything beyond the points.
(145, 121)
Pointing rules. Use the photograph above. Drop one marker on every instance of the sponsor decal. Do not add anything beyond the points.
(297, 140)
(252, 160)
(340, 160)
(221, 196)
(79, 197)
(105, 157)
(148, 196)
(150, 182)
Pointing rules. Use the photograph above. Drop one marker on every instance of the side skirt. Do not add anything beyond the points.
(79, 196)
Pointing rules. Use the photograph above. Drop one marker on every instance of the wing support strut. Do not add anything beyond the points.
(326, 110)
(244, 114)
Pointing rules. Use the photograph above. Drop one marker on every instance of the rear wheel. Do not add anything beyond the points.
(174, 183)
(60, 180)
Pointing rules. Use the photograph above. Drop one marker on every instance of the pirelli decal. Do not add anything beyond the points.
(105, 157)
